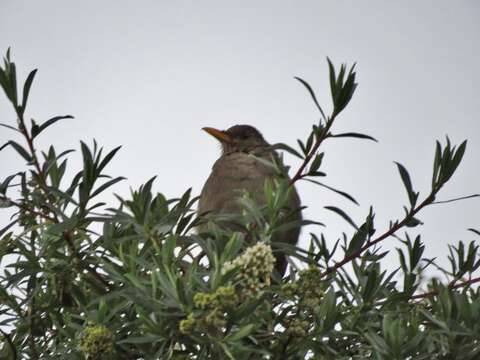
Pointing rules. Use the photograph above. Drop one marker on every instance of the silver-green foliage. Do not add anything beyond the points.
(80, 280)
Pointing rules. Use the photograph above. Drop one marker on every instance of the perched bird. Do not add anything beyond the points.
(237, 170)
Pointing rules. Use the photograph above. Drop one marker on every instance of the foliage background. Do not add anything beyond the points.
(143, 285)
(149, 76)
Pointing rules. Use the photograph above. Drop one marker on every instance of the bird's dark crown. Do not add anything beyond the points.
(244, 138)
(243, 132)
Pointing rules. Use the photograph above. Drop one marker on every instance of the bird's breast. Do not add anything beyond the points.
(230, 175)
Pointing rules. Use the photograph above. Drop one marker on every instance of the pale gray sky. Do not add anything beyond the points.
(149, 74)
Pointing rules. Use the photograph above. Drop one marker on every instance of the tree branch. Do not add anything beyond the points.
(451, 285)
(30, 210)
(382, 237)
(299, 174)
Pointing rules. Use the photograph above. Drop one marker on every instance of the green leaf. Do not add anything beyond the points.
(48, 123)
(408, 184)
(13, 84)
(328, 311)
(342, 214)
(413, 222)
(416, 252)
(354, 135)
(146, 339)
(106, 185)
(312, 94)
(358, 240)
(285, 147)
(333, 80)
(474, 231)
(436, 164)
(24, 153)
(4, 83)
(316, 163)
(88, 168)
(6, 182)
(341, 75)
(458, 156)
(5, 229)
(302, 147)
(296, 224)
(339, 192)
(309, 143)
(456, 199)
(9, 127)
(107, 159)
(401, 257)
(26, 88)
(232, 247)
(430, 317)
(241, 333)
(346, 92)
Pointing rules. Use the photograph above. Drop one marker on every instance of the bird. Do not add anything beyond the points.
(237, 170)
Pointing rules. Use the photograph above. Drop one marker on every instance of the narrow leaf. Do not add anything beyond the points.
(106, 185)
(407, 183)
(457, 158)
(342, 214)
(355, 135)
(9, 127)
(50, 122)
(475, 231)
(357, 240)
(285, 147)
(339, 192)
(107, 159)
(312, 94)
(241, 333)
(27, 86)
(436, 163)
(24, 153)
(5, 229)
(333, 78)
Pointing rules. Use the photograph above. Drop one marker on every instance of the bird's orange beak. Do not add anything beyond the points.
(220, 135)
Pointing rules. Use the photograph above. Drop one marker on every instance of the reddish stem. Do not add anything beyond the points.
(382, 237)
(451, 285)
(299, 174)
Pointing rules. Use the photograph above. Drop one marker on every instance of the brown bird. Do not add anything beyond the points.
(237, 170)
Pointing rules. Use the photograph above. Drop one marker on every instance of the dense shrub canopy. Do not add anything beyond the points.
(83, 280)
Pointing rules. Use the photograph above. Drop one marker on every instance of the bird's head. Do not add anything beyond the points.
(238, 138)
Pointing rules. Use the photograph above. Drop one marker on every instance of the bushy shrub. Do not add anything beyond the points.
(147, 286)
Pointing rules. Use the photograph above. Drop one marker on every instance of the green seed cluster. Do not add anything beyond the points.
(96, 342)
(307, 290)
(297, 327)
(306, 293)
(224, 297)
(310, 289)
(213, 306)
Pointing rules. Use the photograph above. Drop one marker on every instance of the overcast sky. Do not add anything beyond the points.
(148, 75)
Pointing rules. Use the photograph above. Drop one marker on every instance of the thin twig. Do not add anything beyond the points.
(29, 138)
(385, 235)
(26, 208)
(31, 311)
(452, 285)
(299, 174)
